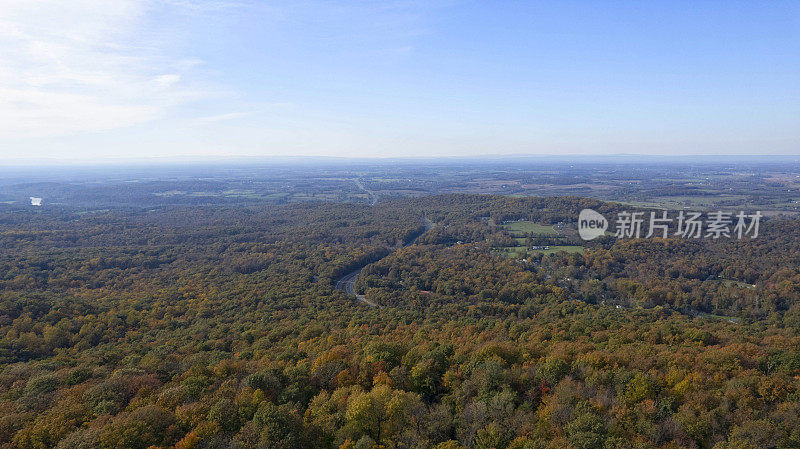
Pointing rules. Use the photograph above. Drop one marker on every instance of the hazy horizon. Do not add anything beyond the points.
(623, 158)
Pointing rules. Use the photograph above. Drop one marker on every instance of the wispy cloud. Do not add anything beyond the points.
(81, 66)
(203, 7)
(221, 117)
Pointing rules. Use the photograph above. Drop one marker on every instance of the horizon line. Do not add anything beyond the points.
(169, 160)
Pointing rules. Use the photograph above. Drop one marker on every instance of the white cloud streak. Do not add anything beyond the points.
(81, 66)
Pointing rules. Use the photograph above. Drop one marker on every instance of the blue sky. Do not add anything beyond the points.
(139, 78)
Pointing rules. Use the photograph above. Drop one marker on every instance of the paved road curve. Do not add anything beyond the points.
(345, 283)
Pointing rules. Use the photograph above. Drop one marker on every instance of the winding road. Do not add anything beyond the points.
(345, 283)
(370, 194)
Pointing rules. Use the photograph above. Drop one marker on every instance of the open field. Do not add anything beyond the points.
(556, 249)
(528, 227)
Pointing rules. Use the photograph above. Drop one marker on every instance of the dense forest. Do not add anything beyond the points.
(220, 327)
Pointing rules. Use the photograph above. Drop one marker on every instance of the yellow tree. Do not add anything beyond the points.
(380, 412)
